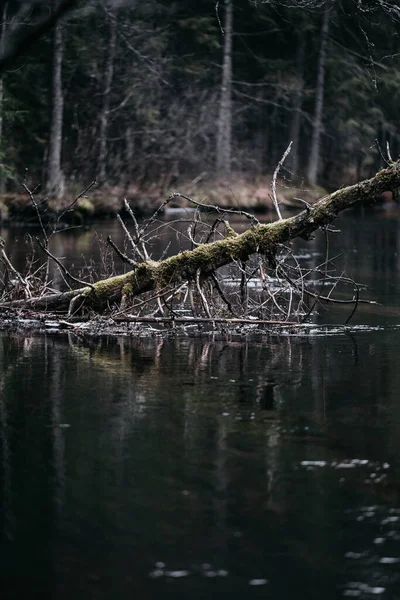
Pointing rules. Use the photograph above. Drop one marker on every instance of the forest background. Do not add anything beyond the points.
(146, 97)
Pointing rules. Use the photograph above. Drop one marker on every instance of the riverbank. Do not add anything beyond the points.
(107, 202)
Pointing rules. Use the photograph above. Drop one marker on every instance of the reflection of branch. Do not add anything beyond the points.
(355, 305)
(187, 320)
(15, 47)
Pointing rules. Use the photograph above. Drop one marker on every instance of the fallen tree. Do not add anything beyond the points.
(188, 271)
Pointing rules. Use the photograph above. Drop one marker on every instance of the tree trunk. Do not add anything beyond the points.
(2, 43)
(2, 47)
(54, 173)
(314, 160)
(297, 105)
(224, 126)
(105, 109)
(207, 258)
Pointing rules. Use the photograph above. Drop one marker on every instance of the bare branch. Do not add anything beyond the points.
(23, 39)
(275, 175)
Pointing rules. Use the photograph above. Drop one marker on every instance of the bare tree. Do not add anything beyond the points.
(2, 41)
(54, 173)
(224, 133)
(297, 105)
(314, 160)
(105, 109)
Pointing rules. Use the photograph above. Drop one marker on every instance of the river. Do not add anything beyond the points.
(209, 466)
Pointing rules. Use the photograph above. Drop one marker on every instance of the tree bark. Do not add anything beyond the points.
(224, 126)
(2, 45)
(297, 105)
(207, 258)
(105, 109)
(54, 173)
(314, 161)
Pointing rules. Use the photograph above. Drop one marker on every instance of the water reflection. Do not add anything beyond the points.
(176, 468)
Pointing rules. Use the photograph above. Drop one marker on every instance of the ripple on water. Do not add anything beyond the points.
(258, 581)
(357, 588)
(203, 570)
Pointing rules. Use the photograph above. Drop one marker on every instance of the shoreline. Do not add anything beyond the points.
(106, 203)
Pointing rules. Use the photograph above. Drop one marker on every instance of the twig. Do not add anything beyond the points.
(148, 300)
(155, 215)
(222, 295)
(327, 298)
(36, 207)
(325, 276)
(275, 175)
(160, 306)
(10, 266)
(216, 208)
(65, 271)
(389, 154)
(69, 208)
(136, 227)
(121, 255)
(219, 18)
(128, 235)
(202, 295)
(385, 160)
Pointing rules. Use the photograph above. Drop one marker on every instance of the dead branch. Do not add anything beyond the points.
(274, 177)
(262, 239)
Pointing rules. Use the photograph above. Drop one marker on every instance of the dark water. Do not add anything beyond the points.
(211, 467)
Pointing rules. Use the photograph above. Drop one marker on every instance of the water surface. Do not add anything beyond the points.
(208, 467)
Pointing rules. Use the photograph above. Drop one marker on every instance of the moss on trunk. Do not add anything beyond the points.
(207, 258)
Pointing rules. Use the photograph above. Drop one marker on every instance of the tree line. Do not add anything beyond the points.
(166, 92)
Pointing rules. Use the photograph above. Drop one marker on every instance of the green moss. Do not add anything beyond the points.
(85, 207)
(208, 257)
(229, 231)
